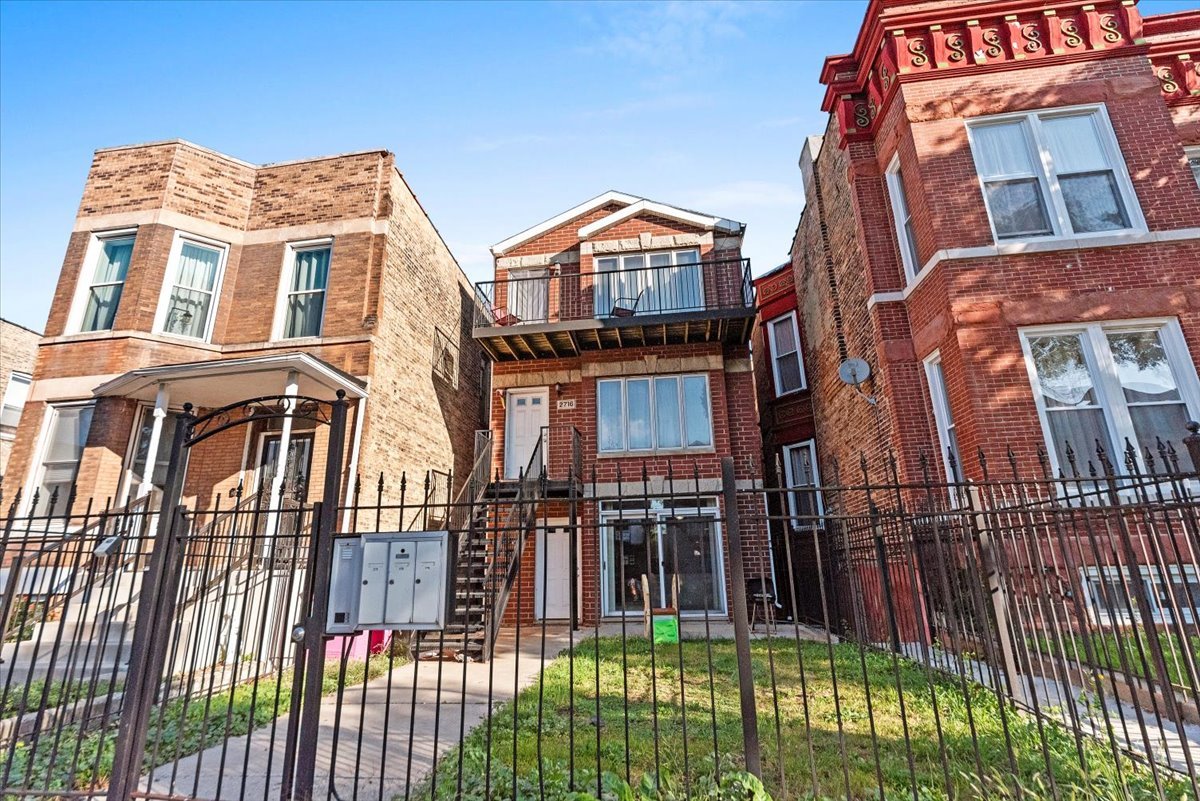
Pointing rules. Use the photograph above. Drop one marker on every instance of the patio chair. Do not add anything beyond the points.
(760, 599)
(626, 307)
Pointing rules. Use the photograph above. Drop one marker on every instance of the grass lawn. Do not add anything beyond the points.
(1108, 646)
(74, 762)
(791, 769)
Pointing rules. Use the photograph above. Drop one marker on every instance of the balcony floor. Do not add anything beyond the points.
(573, 337)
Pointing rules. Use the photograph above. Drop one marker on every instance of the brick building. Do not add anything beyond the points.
(18, 348)
(191, 276)
(1003, 220)
(619, 331)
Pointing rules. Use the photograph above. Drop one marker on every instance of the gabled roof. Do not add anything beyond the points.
(632, 205)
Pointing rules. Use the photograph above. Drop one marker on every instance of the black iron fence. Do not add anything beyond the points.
(1023, 635)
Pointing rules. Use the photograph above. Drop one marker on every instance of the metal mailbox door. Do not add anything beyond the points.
(401, 570)
(427, 594)
(373, 597)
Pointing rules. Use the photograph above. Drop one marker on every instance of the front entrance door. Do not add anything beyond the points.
(296, 467)
(553, 596)
(528, 412)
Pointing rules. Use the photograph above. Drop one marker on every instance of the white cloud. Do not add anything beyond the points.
(674, 34)
(728, 198)
(481, 144)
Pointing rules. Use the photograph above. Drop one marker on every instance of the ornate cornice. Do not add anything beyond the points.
(1174, 41)
(902, 41)
(769, 286)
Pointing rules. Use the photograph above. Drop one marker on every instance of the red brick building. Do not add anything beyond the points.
(619, 331)
(1003, 220)
(194, 277)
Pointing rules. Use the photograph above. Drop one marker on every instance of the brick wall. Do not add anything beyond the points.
(18, 350)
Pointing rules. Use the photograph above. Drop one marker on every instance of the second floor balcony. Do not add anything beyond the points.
(559, 311)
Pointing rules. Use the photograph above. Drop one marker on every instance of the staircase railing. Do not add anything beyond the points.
(520, 520)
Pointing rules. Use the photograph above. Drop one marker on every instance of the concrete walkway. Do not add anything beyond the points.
(372, 740)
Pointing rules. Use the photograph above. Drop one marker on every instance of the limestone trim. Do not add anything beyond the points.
(166, 339)
(233, 236)
(540, 378)
(646, 241)
(654, 365)
(1019, 248)
(539, 260)
(76, 387)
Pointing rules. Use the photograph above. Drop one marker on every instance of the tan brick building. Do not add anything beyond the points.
(18, 349)
(1003, 220)
(620, 332)
(193, 277)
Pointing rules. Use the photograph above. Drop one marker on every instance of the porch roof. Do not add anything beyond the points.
(217, 382)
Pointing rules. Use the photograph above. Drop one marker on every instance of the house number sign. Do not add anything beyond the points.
(566, 404)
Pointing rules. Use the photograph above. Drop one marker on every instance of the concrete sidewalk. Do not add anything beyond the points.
(373, 739)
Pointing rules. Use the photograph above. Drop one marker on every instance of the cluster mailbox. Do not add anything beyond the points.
(396, 582)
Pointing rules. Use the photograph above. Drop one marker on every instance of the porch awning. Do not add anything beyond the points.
(210, 384)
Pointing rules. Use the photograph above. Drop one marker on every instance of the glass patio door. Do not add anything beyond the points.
(664, 548)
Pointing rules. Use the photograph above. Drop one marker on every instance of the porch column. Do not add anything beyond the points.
(291, 389)
(161, 399)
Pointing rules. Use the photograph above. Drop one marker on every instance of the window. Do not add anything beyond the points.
(942, 416)
(786, 361)
(664, 412)
(190, 294)
(645, 283)
(1112, 382)
(1053, 173)
(65, 436)
(800, 472)
(902, 215)
(529, 295)
(1111, 594)
(107, 280)
(15, 395)
(156, 473)
(1193, 157)
(307, 279)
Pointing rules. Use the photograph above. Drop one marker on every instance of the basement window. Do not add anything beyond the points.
(1053, 173)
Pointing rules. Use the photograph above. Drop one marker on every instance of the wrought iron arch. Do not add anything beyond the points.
(252, 410)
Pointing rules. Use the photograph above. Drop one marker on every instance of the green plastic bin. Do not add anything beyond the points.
(666, 629)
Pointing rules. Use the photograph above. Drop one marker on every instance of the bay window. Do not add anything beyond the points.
(1112, 383)
(786, 362)
(188, 304)
(1193, 157)
(647, 283)
(1053, 173)
(106, 282)
(306, 281)
(649, 413)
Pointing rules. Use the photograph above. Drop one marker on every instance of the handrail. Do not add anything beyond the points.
(560, 295)
(512, 541)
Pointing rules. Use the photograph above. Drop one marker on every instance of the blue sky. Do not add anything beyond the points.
(500, 114)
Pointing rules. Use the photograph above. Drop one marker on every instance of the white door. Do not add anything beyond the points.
(528, 411)
(553, 574)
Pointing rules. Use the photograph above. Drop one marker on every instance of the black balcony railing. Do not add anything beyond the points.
(562, 293)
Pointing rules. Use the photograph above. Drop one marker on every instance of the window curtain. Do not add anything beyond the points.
(306, 301)
(529, 295)
(1001, 150)
(1156, 408)
(191, 298)
(1088, 185)
(107, 284)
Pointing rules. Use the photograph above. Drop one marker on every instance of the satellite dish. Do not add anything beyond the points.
(854, 371)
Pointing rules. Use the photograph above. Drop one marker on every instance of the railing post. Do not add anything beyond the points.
(741, 622)
(1192, 442)
(314, 623)
(152, 624)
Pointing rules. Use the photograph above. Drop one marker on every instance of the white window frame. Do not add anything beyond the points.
(775, 354)
(1109, 395)
(645, 256)
(1191, 153)
(653, 409)
(901, 213)
(284, 293)
(1101, 614)
(1047, 178)
(164, 297)
(87, 272)
(16, 378)
(790, 479)
(943, 416)
(36, 467)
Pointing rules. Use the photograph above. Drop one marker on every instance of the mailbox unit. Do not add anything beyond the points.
(397, 582)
